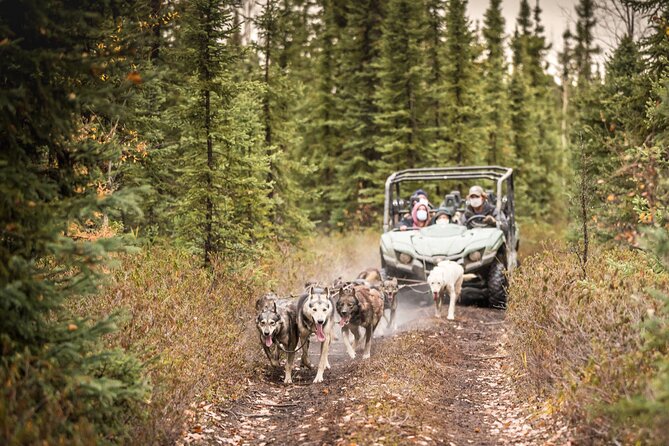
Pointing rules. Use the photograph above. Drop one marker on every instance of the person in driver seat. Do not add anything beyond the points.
(479, 205)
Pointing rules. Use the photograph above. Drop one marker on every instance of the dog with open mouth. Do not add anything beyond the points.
(359, 306)
(447, 277)
(277, 326)
(315, 315)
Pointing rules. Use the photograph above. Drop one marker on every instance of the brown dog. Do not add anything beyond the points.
(359, 306)
(388, 288)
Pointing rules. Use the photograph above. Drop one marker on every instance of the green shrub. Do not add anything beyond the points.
(580, 343)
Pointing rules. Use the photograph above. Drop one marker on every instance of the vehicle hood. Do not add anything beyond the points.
(443, 240)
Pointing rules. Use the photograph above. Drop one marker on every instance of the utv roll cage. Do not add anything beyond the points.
(504, 199)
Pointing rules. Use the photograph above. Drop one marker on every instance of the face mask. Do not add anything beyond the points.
(442, 221)
(476, 202)
(421, 215)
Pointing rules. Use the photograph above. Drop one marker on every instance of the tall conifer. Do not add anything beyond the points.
(321, 144)
(435, 107)
(400, 95)
(496, 100)
(466, 135)
(521, 96)
(356, 178)
(585, 48)
(60, 385)
(280, 128)
(221, 163)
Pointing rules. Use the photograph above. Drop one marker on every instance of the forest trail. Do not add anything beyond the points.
(431, 382)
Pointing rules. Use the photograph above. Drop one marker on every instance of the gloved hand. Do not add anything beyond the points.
(489, 220)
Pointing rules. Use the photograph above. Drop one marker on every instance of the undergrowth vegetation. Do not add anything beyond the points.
(194, 328)
(591, 347)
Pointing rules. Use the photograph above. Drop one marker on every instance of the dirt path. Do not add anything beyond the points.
(432, 382)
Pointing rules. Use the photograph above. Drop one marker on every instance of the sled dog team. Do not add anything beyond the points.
(287, 324)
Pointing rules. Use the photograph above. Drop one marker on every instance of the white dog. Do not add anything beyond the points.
(447, 276)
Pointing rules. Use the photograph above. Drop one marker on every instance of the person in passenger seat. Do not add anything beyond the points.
(420, 217)
(442, 216)
(418, 196)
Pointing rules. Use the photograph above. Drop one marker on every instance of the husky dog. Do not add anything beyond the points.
(388, 288)
(277, 326)
(315, 314)
(447, 276)
(359, 306)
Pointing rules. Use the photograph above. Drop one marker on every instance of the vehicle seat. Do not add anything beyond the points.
(458, 198)
(450, 202)
(492, 197)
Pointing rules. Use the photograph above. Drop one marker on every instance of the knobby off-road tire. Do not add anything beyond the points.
(497, 285)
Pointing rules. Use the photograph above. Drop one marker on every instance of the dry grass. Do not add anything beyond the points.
(194, 328)
(578, 342)
(534, 235)
(185, 323)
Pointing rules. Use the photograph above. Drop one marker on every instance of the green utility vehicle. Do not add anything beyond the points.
(488, 252)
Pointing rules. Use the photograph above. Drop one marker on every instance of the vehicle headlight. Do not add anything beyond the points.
(405, 258)
(474, 256)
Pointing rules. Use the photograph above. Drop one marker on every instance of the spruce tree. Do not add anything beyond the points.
(566, 61)
(655, 45)
(435, 119)
(222, 166)
(321, 144)
(549, 178)
(401, 93)
(496, 96)
(280, 128)
(522, 125)
(466, 135)
(356, 184)
(59, 384)
(585, 47)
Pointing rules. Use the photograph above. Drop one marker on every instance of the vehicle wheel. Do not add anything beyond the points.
(497, 285)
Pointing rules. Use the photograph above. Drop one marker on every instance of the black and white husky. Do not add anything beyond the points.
(277, 326)
(315, 314)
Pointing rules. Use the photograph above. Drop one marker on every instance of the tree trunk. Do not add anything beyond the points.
(209, 205)
(209, 212)
(565, 108)
(266, 108)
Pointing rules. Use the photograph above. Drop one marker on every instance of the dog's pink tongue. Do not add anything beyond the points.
(343, 321)
(268, 341)
(436, 296)
(319, 333)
